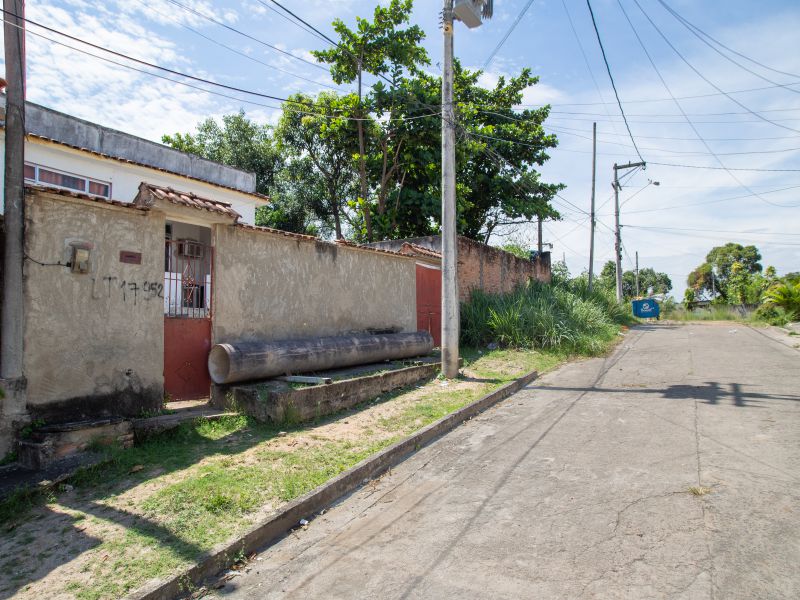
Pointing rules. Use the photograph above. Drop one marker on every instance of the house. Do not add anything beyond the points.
(480, 267)
(67, 153)
(139, 258)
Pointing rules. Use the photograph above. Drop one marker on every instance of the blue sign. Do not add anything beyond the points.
(646, 309)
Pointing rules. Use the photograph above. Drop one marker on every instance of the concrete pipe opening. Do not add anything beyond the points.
(219, 362)
(247, 361)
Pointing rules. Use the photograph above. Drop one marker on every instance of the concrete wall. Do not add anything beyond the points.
(125, 177)
(94, 343)
(483, 267)
(270, 286)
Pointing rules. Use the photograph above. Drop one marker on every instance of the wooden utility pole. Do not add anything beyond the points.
(14, 197)
(591, 228)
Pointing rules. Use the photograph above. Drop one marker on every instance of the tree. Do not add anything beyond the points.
(650, 281)
(319, 147)
(714, 274)
(378, 47)
(237, 142)
(785, 296)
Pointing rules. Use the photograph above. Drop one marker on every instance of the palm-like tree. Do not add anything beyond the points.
(786, 296)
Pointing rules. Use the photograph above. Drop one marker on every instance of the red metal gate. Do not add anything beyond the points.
(429, 302)
(187, 319)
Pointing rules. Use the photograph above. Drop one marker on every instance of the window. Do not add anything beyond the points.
(51, 177)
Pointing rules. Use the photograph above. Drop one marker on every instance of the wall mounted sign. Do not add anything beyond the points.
(131, 258)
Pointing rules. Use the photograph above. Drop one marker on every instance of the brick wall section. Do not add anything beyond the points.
(483, 267)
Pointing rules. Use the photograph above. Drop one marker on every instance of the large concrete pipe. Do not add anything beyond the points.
(244, 361)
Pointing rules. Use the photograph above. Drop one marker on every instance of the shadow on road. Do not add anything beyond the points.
(711, 392)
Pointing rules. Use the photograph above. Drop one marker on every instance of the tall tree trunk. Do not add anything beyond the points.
(362, 167)
(337, 221)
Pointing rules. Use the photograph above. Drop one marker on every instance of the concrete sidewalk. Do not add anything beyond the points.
(669, 470)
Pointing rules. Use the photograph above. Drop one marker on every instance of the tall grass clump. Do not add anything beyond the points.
(563, 316)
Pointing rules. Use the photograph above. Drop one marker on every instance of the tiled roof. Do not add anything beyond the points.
(311, 238)
(416, 249)
(149, 193)
(82, 196)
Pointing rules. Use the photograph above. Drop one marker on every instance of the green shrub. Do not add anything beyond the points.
(564, 316)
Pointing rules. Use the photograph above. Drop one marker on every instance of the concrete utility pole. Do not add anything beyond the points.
(13, 302)
(450, 321)
(470, 12)
(637, 273)
(592, 220)
(617, 232)
(540, 244)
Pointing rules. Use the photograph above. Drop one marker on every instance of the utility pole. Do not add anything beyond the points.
(14, 199)
(637, 273)
(540, 245)
(617, 232)
(450, 306)
(591, 228)
(470, 13)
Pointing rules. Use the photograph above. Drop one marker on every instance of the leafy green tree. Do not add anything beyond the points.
(318, 148)
(377, 47)
(237, 142)
(785, 296)
(714, 274)
(650, 281)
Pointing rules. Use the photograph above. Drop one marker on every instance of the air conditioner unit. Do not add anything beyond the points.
(468, 12)
(190, 248)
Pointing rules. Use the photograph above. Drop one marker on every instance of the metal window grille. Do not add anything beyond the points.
(187, 279)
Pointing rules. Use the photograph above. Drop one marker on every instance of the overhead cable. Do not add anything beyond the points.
(510, 30)
(611, 77)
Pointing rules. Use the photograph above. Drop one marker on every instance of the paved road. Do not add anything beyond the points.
(579, 487)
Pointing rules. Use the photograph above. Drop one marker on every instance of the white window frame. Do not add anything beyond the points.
(86, 180)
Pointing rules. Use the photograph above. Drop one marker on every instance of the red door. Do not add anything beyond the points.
(187, 343)
(187, 319)
(429, 302)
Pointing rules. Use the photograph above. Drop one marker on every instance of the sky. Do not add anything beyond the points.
(672, 104)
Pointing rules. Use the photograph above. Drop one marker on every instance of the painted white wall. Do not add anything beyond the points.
(125, 178)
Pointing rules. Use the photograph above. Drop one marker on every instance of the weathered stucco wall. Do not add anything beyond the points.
(271, 286)
(94, 343)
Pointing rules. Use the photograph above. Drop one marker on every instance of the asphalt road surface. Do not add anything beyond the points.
(668, 470)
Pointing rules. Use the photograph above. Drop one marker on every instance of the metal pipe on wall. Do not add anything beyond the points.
(244, 361)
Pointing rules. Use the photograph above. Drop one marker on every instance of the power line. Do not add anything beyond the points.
(715, 230)
(507, 34)
(657, 115)
(712, 234)
(692, 97)
(683, 139)
(611, 77)
(290, 20)
(703, 77)
(242, 33)
(757, 170)
(309, 105)
(234, 50)
(306, 23)
(691, 204)
(695, 29)
(588, 66)
(680, 108)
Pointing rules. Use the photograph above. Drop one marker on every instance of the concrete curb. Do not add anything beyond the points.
(225, 554)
